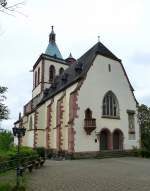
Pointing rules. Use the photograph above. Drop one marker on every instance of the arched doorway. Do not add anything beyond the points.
(117, 140)
(105, 139)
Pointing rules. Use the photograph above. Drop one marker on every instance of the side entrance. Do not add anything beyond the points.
(111, 141)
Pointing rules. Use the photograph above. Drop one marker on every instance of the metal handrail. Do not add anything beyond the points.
(11, 164)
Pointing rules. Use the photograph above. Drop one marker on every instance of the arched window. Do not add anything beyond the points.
(30, 123)
(88, 114)
(110, 105)
(61, 70)
(51, 73)
(35, 79)
(38, 75)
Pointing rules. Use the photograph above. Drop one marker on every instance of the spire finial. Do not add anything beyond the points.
(70, 55)
(52, 35)
(19, 115)
(98, 38)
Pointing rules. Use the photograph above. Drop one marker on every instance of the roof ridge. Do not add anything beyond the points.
(73, 76)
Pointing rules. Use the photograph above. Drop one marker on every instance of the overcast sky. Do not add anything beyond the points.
(123, 27)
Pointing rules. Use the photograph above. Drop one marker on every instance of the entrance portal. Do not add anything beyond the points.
(117, 140)
(104, 139)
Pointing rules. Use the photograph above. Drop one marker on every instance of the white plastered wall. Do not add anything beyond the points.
(53, 134)
(41, 126)
(99, 81)
(28, 139)
(37, 90)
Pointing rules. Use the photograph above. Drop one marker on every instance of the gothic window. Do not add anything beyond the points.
(51, 73)
(88, 114)
(110, 105)
(30, 123)
(35, 80)
(109, 67)
(61, 70)
(38, 75)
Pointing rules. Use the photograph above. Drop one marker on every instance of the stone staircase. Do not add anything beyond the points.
(113, 154)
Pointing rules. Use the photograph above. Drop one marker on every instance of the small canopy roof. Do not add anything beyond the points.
(52, 48)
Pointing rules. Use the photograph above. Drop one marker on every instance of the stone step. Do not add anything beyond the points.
(112, 154)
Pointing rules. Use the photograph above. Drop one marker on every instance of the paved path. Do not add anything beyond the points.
(123, 174)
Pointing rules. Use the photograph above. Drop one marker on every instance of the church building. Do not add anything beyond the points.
(79, 106)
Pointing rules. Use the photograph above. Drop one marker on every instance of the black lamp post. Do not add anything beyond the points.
(19, 133)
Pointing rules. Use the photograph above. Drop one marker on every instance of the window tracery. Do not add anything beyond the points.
(110, 105)
(51, 73)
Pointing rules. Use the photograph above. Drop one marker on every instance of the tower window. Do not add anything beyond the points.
(110, 105)
(109, 67)
(35, 79)
(51, 73)
(38, 75)
(61, 70)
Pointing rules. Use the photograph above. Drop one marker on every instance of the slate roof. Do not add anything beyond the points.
(52, 50)
(52, 58)
(79, 70)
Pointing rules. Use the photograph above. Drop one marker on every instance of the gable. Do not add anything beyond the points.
(101, 79)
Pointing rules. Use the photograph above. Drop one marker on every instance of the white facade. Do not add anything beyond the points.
(97, 83)
(60, 121)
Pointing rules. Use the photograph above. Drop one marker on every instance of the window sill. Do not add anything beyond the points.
(132, 131)
(110, 117)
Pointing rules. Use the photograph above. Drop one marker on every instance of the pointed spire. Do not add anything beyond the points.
(19, 115)
(98, 38)
(52, 49)
(70, 59)
(52, 35)
(70, 55)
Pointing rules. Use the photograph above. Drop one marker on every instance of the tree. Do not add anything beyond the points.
(144, 122)
(3, 108)
(6, 140)
(10, 9)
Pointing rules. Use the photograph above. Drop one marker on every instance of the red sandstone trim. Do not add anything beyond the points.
(49, 117)
(59, 124)
(35, 129)
(73, 108)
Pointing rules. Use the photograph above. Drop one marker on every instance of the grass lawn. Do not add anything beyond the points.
(8, 181)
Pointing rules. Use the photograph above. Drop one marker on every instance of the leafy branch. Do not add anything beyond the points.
(11, 9)
(3, 108)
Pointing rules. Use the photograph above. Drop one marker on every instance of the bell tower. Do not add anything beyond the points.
(48, 66)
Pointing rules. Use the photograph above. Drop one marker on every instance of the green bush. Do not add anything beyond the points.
(6, 140)
(9, 187)
(3, 156)
(26, 155)
(145, 153)
(136, 152)
(24, 152)
(40, 151)
(5, 187)
(20, 188)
